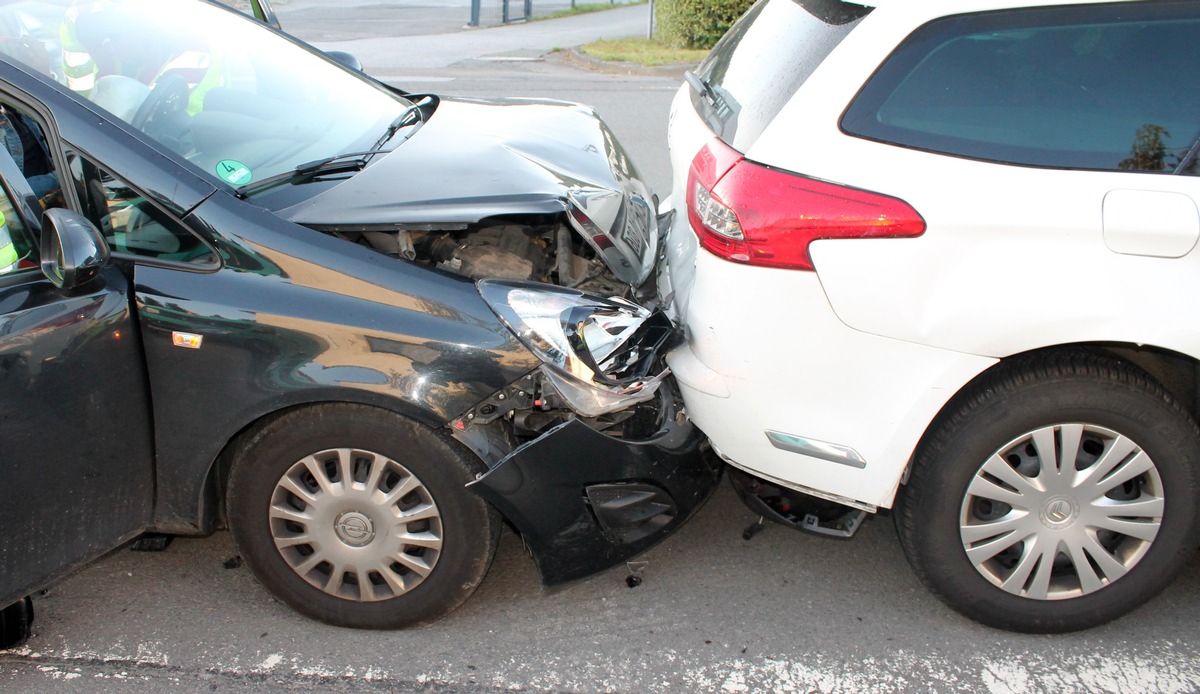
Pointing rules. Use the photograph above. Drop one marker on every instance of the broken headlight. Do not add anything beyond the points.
(600, 354)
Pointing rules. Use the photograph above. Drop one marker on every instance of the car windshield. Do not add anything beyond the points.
(238, 100)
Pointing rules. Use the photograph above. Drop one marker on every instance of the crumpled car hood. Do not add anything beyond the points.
(475, 159)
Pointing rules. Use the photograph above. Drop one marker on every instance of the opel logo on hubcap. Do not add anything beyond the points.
(354, 528)
(1060, 512)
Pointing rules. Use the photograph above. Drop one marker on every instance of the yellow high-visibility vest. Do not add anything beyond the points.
(8, 252)
(78, 66)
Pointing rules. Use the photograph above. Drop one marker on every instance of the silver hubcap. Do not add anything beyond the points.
(1061, 511)
(356, 524)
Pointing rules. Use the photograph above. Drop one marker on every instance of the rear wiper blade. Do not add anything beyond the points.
(701, 85)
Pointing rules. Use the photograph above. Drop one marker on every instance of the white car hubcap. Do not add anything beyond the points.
(1061, 511)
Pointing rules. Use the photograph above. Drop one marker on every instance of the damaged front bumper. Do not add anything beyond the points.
(590, 456)
(585, 501)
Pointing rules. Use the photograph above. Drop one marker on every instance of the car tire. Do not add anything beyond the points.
(313, 501)
(997, 534)
(16, 623)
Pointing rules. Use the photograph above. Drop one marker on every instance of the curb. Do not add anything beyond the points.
(614, 67)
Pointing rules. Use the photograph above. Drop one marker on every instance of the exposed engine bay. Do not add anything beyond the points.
(538, 250)
(513, 189)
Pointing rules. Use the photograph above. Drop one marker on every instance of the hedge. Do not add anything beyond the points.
(696, 23)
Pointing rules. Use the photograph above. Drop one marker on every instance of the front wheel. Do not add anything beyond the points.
(360, 518)
(1059, 494)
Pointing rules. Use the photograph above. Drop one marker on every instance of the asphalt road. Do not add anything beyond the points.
(782, 612)
(322, 21)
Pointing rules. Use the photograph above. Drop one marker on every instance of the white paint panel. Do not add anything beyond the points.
(770, 338)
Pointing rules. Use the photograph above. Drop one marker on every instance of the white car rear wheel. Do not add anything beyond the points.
(1056, 495)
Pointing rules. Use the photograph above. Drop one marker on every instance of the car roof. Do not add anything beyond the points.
(961, 6)
(910, 14)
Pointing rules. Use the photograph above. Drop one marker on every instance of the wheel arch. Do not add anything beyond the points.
(405, 466)
(1115, 390)
(1175, 372)
(208, 514)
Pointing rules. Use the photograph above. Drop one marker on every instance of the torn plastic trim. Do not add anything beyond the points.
(796, 509)
(530, 406)
(584, 501)
(817, 493)
(599, 353)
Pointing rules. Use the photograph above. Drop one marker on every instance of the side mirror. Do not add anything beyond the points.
(344, 58)
(262, 12)
(73, 251)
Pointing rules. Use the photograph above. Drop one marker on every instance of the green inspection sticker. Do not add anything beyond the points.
(234, 172)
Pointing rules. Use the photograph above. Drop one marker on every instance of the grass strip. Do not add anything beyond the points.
(641, 51)
(585, 8)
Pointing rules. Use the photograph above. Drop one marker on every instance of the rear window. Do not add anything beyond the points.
(764, 58)
(1109, 87)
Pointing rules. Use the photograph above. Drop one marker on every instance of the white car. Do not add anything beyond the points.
(940, 257)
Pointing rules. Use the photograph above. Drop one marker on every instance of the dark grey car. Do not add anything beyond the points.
(250, 298)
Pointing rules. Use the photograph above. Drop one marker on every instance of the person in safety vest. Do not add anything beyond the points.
(8, 252)
(100, 38)
(78, 65)
(200, 69)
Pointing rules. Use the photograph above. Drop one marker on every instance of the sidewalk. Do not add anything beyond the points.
(384, 55)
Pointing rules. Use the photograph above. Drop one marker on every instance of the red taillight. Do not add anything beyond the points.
(750, 213)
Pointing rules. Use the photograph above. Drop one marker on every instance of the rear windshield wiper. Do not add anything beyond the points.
(701, 86)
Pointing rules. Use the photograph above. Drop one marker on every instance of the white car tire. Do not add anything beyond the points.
(1003, 533)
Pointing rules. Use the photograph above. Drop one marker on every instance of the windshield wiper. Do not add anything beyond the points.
(341, 163)
(398, 122)
(345, 160)
(338, 163)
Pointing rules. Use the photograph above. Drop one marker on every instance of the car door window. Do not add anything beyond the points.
(1191, 163)
(25, 141)
(17, 250)
(131, 223)
(1089, 87)
(28, 158)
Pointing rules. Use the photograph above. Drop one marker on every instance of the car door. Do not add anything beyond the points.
(76, 451)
